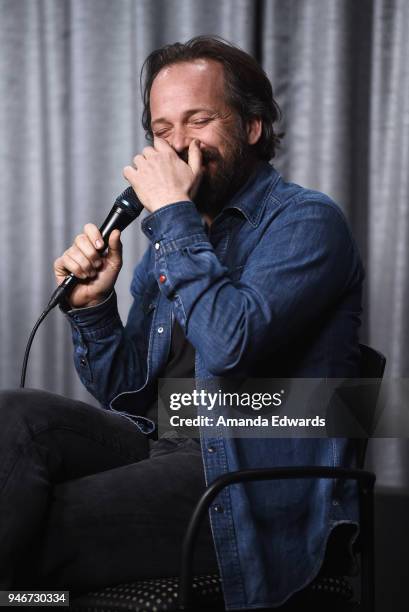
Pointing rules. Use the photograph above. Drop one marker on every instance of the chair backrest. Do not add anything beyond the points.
(372, 362)
(352, 410)
(372, 366)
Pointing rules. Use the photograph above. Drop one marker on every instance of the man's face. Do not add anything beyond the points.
(188, 101)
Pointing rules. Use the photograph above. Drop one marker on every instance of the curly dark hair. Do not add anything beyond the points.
(248, 87)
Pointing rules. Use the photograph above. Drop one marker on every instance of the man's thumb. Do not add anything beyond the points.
(115, 247)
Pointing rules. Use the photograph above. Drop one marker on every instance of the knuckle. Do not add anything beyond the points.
(90, 229)
(84, 243)
(129, 172)
(78, 239)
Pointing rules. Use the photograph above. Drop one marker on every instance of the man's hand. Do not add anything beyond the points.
(160, 177)
(83, 259)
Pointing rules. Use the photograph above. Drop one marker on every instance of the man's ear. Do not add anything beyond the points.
(254, 128)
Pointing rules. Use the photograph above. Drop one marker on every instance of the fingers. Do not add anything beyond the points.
(148, 152)
(94, 235)
(82, 258)
(86, 245)
(195, 157)
(78, 265)
(130, 175)
(139, 159)
(160, 144)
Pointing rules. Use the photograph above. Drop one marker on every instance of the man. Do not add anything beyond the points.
(246, 275)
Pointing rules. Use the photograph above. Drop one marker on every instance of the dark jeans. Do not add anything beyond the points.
(84, 502)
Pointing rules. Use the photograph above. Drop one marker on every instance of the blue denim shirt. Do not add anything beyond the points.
(274, 289)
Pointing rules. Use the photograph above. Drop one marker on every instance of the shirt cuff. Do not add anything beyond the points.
(173, 226)
(94, 316)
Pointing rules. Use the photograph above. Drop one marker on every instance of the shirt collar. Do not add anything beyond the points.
(251, 197)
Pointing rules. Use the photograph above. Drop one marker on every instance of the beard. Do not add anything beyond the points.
(223, 175)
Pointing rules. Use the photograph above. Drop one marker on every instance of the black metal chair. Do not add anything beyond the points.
(196, 593)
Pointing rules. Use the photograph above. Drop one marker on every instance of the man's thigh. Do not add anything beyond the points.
(126, 522)
(75, 438)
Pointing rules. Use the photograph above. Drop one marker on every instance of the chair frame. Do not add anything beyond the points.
(365, 480)
(372, 366)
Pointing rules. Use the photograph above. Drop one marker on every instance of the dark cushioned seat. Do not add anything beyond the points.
(160, 594)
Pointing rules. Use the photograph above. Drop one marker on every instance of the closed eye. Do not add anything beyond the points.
(160, 132)
(201, 121)
(194, 122)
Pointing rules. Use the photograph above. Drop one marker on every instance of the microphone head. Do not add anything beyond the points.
(130, 202)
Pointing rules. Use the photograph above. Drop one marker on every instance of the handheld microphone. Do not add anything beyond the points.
(125, 210)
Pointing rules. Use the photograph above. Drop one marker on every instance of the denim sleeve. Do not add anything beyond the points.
(304, 260)
(109, 357)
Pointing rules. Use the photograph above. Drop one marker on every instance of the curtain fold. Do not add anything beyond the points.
(70, 110)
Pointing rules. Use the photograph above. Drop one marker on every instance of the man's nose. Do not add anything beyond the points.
(180, 139)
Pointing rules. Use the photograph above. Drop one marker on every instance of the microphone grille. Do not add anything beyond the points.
(129, 199)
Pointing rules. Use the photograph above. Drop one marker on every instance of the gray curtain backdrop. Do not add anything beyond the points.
(70, 111)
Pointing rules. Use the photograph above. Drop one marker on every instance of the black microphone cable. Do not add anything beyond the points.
(125, 210)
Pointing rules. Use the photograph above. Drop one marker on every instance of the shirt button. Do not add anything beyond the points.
(160, 330)
(149, 229)
(157, 246)
(83, 362)
(218, 508)
(335, 502)
(162, 278)
(211, 449)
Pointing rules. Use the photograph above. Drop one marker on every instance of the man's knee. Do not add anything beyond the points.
(22, 403)
(12, 401)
